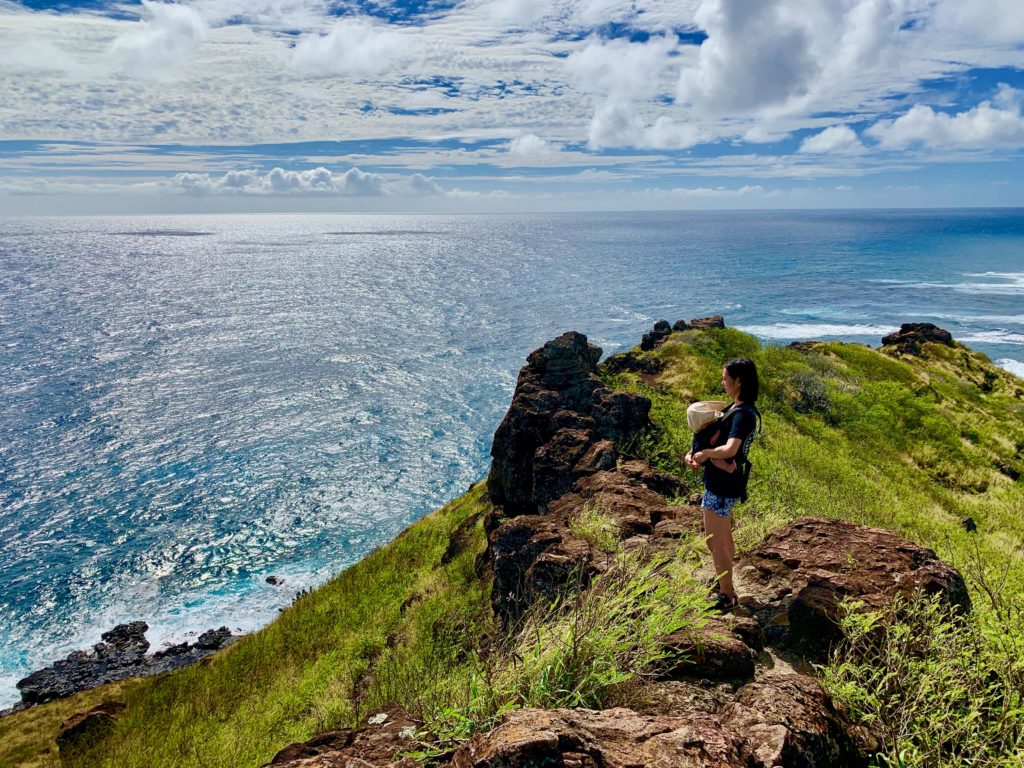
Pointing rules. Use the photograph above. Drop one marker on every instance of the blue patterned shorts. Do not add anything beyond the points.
(718, 505)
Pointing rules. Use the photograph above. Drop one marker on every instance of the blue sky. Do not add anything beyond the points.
(398, 105)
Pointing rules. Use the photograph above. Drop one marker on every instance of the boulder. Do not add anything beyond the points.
(83, 729)
(908, 340)
(789, 720)
(630, 361)
(680, 325)
(714, 652)
(714, 321)
(795, 581)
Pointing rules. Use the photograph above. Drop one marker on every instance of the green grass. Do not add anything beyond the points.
(306, 672)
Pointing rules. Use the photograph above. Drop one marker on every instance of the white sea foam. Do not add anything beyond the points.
(993, 337)
(1011, 283)
(816, 330)
(1016, 367)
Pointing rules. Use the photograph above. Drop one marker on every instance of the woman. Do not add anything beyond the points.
(724, 487)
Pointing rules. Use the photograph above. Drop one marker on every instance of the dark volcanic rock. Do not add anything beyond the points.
(559, 409)
(628, 361)
(378, 745)
(789, 720)
(909, 338)
(84, 729)
(712, 653)
(796, 579)
(714, 321)
(121, 654)
(680, 325)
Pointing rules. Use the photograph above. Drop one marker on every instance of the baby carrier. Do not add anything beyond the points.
(711, 421)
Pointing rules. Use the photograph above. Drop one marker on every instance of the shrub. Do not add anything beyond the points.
(930, 685)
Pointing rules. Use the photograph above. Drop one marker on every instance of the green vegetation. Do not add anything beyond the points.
(914, 445)
(597, 529)
(586, 648)
(932, 685)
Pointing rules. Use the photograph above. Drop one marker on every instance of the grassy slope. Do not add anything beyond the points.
(848, 432)
(911, 445)
(404, 606)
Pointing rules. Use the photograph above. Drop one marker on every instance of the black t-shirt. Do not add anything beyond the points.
(729, 485)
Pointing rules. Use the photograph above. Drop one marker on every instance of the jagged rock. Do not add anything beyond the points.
(274, 581)
(212, 639)
(662, 327)
(559, 409)
(680, 325)
(714, 321)
(84, 729)
(789, 720)
(909, 338)
(120, 655)
(378, 745)
(629, 361)
(796, 579)
(612, 738)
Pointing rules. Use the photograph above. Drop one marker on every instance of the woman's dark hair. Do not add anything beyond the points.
(743, 369)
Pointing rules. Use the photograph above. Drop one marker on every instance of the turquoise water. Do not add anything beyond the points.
(190, 404)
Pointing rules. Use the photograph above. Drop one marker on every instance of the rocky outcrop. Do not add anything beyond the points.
(120, 655)
(83, 729)
(908, 340)
(713, 321)
(563, 424)
(796, 580)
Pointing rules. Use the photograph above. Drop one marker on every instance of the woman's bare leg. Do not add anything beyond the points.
(723, 549)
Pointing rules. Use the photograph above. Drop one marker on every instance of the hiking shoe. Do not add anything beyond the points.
(723, 603)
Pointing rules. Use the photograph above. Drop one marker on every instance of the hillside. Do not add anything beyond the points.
(427, 628)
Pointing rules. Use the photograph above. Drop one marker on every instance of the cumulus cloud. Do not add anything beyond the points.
(317, 181)
(774, 56)
(621, 77)
(530, 145)
(518, 12)
(836, 139)
(990, 124)
(352, 47)
(161, 42)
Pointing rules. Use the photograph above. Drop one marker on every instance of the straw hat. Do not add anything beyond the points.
(701, 414)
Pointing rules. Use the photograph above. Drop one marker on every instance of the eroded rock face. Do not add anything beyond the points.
(797, 578)
(563, 424)
(909, 338)
(120, 655)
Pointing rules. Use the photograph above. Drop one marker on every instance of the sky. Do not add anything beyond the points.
(509, 105)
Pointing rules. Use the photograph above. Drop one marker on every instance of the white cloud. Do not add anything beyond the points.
(993, 21)
(317, 181)
(836, 139)
(621, 78)
(715, 192)
(352, 47)
(530, 145)
(518, 12)
(779, 56)
(156, 46)
(988, 125)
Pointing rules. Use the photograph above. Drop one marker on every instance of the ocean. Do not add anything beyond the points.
(192, 403)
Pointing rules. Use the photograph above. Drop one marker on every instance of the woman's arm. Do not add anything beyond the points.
(727, 451)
